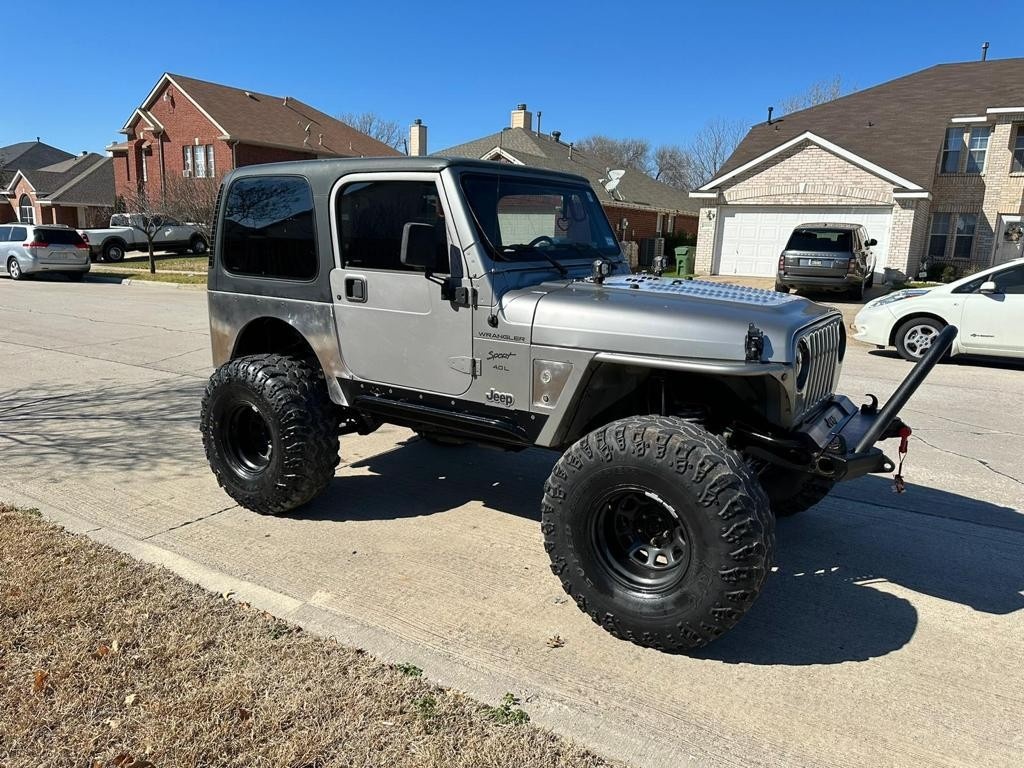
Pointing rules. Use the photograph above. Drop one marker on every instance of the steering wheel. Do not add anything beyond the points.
(538, 240)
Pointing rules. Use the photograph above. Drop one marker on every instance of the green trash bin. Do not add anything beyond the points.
(684, 260)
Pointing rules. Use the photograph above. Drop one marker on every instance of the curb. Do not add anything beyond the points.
(113, 280)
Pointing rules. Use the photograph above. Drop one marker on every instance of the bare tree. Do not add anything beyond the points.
(193, 201)
(711, 147)
(376, 127)
(620, 153)
(145, 213)
(674, 166)
(818, 93)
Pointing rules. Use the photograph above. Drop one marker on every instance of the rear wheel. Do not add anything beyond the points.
(270, 431)
(113, 252)
(14, 269)
(915, 337)
(197, 245)
(658, 530)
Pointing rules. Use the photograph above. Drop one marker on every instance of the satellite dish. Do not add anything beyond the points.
(612, 181)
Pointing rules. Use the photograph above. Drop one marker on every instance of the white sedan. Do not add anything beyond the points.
(987, 307)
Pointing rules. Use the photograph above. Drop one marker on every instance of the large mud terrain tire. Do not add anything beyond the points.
(790, 492)
(270, 431)
(659, 531)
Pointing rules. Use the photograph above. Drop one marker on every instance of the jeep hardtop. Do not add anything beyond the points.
(475, 301)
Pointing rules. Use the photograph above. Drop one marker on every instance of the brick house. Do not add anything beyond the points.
(639, 208)
(931, 163)
(188, 128)
(41, 184)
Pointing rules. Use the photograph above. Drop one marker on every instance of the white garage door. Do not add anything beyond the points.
(751, 238)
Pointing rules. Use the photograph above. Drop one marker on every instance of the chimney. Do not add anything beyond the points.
(417, 139)
(984, 51)
(521, 118)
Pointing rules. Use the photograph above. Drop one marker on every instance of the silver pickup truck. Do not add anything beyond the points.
(127, 232)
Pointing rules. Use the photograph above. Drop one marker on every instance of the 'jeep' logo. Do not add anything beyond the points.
(500, 398)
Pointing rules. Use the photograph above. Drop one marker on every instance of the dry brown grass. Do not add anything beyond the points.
(105, 661)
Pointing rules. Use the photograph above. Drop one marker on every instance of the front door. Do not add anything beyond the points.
(1009, 239)
(394, 323)
(992, 322)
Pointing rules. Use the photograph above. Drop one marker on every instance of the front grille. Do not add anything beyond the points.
(824, 343)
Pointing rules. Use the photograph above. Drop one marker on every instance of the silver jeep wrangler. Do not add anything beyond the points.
(490, 303)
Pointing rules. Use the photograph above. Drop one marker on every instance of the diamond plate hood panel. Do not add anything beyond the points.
(649, 315)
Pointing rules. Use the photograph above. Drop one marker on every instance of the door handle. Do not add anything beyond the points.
(355, 289)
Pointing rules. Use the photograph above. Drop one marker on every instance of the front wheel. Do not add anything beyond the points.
(659, 531)
(270, 431)
(197, 245)
(915, 337)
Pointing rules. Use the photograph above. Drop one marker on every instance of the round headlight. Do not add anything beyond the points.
(803, 365)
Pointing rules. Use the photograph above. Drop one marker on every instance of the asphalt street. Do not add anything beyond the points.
(890, 633)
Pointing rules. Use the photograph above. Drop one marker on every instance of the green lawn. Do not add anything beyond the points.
(165, 261)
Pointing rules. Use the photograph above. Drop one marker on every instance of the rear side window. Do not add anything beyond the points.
(57, 236)
(268, 228)
(19, 234)
(830, 240)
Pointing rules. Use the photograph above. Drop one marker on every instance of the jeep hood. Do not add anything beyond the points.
(649, 315)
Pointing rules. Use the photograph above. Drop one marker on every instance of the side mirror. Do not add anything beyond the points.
(989, 286)
(418, 245)
(872, 241)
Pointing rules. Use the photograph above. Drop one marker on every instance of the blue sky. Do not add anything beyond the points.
(657, 70)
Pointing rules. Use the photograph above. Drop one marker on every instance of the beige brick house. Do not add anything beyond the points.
(931, 163)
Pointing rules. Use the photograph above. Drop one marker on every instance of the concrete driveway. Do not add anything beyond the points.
(891, 632)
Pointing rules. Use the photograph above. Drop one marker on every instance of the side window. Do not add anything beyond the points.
(19, 234)
(372, 214)
(5, 234)
(268, 228)
(1010, 280)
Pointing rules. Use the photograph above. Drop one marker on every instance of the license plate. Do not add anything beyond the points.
(816, 262)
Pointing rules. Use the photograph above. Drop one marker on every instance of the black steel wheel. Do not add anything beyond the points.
(197, 245)
(658, 530)
(270, 431)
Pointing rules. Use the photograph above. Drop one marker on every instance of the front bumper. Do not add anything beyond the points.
(838, 442)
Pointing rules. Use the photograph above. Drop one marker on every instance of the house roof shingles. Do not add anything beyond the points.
(27, 155)
(541, 150)
(259, 118)
(79, 180)
(899, 125)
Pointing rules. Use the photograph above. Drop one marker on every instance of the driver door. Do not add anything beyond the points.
(992, 322)
(394, 324)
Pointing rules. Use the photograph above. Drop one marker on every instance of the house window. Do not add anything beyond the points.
(26, 211)
(951, 150)
(145, 168)
(977, 148)
(209, 160)
(671, 224)
(661, 223)
(200, 161)
(186, 153)
(939, 237)
(1018, 151)
(964, 242)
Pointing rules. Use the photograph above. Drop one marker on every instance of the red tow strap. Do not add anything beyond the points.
(898, 484)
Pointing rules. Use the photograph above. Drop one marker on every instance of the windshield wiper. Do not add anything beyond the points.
(522, 247)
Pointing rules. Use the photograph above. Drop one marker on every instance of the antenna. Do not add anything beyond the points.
(611, 182)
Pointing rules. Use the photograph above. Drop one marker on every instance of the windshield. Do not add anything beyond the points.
(527, 219)
(830, 240)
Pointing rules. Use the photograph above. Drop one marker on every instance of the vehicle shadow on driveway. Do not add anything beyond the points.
(827, 600)
(420, 478)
